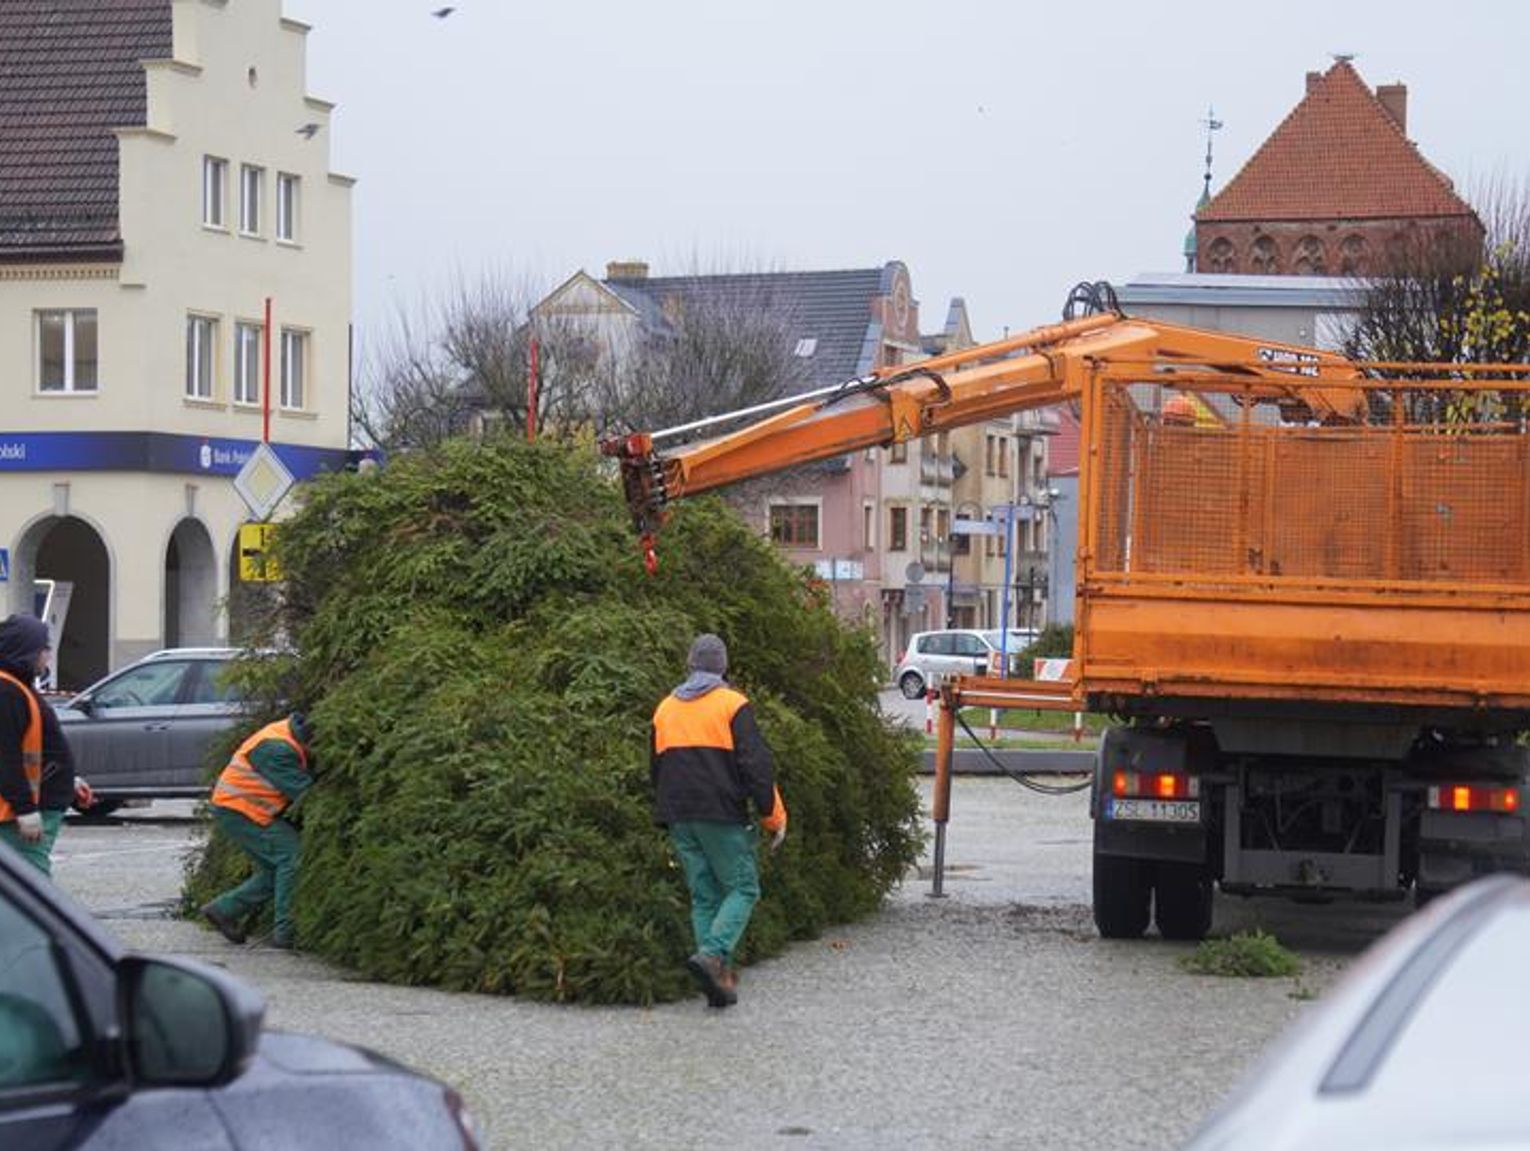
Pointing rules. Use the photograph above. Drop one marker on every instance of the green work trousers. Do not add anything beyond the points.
(39, 854)
(718, 859)
(275, 851)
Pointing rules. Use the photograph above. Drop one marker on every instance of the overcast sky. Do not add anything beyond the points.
(1003, 150)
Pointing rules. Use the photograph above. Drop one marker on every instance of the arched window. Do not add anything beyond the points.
(1265, 260)
(1353, 257)
(1310, 257)
(1219, 255)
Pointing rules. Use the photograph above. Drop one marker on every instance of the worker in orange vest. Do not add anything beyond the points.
(708, 761)
(37, 780)
(268, 773)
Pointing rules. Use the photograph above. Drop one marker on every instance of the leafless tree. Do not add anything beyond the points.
(1452, 301)
(409, 395)
(716, 347)
(694, 350)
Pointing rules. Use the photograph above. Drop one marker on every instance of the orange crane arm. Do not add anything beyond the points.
(1035, 369)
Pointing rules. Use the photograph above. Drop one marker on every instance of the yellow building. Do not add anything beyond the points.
(169, 230)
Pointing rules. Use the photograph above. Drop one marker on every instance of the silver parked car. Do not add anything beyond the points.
(935, 655)
(146, 731)
(1421, 1045)
(104, 1048)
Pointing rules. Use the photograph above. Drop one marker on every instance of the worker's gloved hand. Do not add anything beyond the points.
(84, 794)
(778, 838)
(30, 826)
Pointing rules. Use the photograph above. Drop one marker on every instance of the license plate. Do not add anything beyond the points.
(1153, 810)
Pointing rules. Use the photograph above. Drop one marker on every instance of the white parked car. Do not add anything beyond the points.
(1420, 1046)
(935, 655)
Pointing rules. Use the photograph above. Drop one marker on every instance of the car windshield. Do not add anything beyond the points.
(1017, 639)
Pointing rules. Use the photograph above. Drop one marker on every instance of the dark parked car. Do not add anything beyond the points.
(145, 731)
(1421, 1045)
(102, 1048)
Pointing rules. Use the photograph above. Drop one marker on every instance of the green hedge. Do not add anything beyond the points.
(480, 654)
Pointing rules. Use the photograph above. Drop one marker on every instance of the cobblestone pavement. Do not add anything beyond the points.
(992, 1018)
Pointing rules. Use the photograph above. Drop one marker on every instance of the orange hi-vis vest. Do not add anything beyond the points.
(705, 725)
(243, 789)
(706, 721)
(31, 747)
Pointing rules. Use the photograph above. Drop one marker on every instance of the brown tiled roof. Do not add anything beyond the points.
(69, 74)
(1339, 155)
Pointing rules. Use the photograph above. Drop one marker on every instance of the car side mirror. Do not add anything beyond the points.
(83, 704)
(185, 1023)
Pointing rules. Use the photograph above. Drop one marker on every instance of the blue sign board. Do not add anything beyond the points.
(151, 452)
(5, 565)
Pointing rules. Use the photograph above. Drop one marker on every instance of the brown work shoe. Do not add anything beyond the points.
(708, 971)
(729, 982)
(228, 928)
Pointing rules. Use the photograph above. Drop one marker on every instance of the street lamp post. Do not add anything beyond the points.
(1009, 567)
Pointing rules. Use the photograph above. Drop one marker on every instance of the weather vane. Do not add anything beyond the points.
(1212, 125)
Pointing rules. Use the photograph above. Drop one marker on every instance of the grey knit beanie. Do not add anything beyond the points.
(708, 653)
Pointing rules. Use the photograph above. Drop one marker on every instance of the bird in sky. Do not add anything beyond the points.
(443, 13)
(308, 130)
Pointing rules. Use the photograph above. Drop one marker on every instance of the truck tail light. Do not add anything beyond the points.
(1469, 797)
(1155, 784)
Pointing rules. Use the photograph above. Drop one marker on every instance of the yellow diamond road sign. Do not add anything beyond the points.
(263, 481)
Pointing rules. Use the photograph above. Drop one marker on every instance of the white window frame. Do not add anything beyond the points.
(252, 185)
(201, 352)
(249, 336)
(795, 502)
(70, 386)
(298, 339)
(215, 192)
(288, 205)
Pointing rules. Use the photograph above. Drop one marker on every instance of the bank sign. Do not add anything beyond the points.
(151, 452)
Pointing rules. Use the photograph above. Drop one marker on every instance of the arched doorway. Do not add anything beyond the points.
(70, 552)
(191, 587)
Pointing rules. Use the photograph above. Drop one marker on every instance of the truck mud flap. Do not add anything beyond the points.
(1150, 841)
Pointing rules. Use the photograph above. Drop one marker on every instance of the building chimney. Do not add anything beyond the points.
(627, 270)
(1313, 78)
(1394, 98)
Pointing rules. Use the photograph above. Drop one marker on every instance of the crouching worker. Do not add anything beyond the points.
(265, 776)
(708, 761)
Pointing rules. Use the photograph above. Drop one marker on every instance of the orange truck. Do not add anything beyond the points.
(1303, 592)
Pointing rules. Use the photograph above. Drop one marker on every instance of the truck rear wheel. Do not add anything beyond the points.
(1182, 895)
(1123, 890)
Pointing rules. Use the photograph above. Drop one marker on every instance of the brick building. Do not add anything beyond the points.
(1335, 190)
